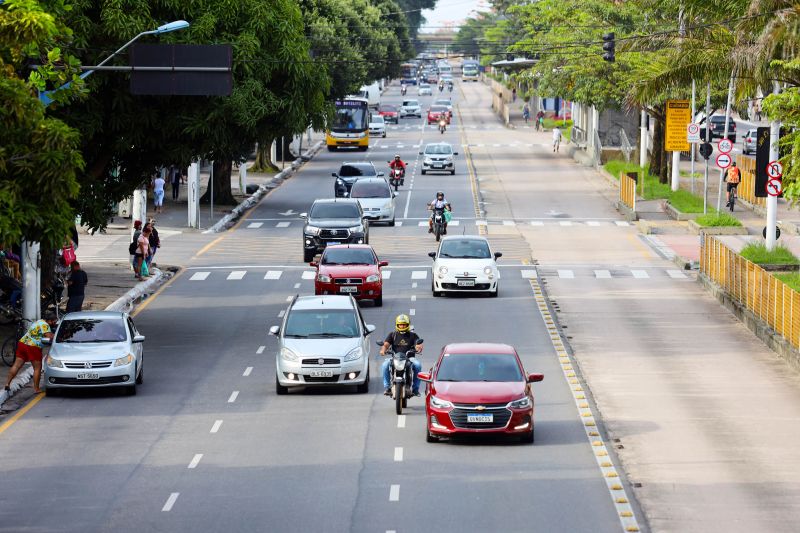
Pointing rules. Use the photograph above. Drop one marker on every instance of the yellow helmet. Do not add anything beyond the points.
(402, 323)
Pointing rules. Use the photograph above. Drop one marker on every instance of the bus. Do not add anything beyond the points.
(350, 127)
(470, 70)
(408, 73)
(444, 68)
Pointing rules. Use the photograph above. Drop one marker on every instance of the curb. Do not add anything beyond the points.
(228, 220)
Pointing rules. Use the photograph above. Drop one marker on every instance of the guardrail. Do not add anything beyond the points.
(747, 187)
(627, 191)
(578, 135)
(763, 294)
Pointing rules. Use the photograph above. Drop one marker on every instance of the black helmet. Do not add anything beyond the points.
(439, 193)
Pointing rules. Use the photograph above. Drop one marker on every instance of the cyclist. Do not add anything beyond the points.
(732, 177)
(401, 339)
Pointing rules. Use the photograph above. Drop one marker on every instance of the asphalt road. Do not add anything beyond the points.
(206, 445)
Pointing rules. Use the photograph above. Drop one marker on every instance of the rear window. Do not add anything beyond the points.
(356, 170)
(92, 330)
(370, 189)
(387, 108)
(336, 210)
(377, 119)
(479, 367)
(438, 108)
(408, 103)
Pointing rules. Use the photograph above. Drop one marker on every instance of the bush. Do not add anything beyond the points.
(566, 130)
(717, 220)
(757, 253)
(792, 279)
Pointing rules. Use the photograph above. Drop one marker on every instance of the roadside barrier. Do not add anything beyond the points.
(760, 292)
(627, 191)
(747, 187)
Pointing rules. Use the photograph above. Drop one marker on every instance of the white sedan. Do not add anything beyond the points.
(424, 89)
(465, 263)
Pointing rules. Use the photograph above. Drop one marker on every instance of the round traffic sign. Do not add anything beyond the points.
(724, 160)
(777, 232)
(725, 146)
(774, 187)
(693, 128)
(774, 169)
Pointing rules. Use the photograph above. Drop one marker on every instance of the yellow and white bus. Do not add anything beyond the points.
(350, 127)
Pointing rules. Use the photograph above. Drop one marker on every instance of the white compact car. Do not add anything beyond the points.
(424, 89)
(376, 199)
(410, 108)
(465, 263)
(377, 125)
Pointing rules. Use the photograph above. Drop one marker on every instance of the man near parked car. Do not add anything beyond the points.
(29, 348)
(401, 339)
(76, 285)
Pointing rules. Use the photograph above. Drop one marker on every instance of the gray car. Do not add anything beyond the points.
(95, 349)
(749, 143)
(322, 342)
(376, 199)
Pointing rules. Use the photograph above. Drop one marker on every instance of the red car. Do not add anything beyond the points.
(435, 112)
(350, 269)
(479, 388)
(389, 113)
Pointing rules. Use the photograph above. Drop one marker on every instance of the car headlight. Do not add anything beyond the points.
(354, 354)
(324, 278)
(288, 355)
(356, 229)
(373, 278)
(522, 403)
(361, 135)
(440, 404)
(449, 159)
(489, 272)
(311, 230)
(122, 361)
(388, 204)
(53, 362)
(428, 161)
(443, 270)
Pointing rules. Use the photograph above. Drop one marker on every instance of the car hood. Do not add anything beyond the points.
(460, 266)
(89, 351)
(479, 391)
(375, 125)
(348, 271)
(335, 223)
(373, 202)
(352, 179)
(336, 347)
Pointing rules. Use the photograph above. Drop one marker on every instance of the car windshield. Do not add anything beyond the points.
(479, 367)
(424, 86)
(465, 249)
(321, 323)
(350, 118)
(411, 103)
(376, 119)
(351, 170)
(370, 189)
(443, 102)
(348, 256)
(438, 109)
(387, 108)
(438, 149)
(334, 210)
(92, 330)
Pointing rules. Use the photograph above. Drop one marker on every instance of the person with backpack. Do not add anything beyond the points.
(155, 242)
(732, 177)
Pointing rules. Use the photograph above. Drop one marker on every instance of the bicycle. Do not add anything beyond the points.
(732, 198)
(8, 351)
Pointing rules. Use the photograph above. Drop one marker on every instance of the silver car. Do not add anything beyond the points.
(410, 108)
(376, 198)
(377, 126)
(438, 157)
(749, 143)
(95, 349)
(424, 89)
(322, 342)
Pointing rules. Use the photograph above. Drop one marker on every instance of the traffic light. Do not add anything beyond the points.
(608, 47)
(509, 57)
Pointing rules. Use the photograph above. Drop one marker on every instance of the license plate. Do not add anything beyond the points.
(466, 283)
(348, 289)
(331, 243)
(480, 418)
(438, 166)
(321, 373)
(88, 375)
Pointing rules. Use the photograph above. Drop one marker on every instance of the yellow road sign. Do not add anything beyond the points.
(679, 116)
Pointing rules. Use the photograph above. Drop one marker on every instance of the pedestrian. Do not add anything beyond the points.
(155, 242)
(514, 94)
(75, 287)
(540, 120)
(137, 230)
(175, 181)
(556, 138)
(526, 113)
(158, 192)
(29, 348)
(142, 251)
(757, 110)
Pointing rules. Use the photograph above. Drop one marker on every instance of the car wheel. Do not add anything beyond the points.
(495, 293)
(384, 135)
(436, 293)
(364, 387)
(430, 437)
(453, 172)
(308, 256)
(391, 223)
(130, 390)
(280, 389)
(331, 148)
(140, 377)
(423, 172)
(379, 301)
(527, 438)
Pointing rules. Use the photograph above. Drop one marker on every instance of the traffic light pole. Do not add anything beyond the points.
(706, 139)
(772, 201)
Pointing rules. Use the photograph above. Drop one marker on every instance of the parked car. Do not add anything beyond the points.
(410, 108)
(388, 112)
(352, 269)
(465, 263)
(377, 125)
(718, 128)
(95, 349)
(333, 221)
(349, 173)
(749, 144)
(479, 389)
(376, 198)
(438, 157)
(435, 112)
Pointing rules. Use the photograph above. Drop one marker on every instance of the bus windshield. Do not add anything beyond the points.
(351, 115)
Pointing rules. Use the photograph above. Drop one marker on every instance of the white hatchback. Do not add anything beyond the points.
(410, 108)
(465, 263)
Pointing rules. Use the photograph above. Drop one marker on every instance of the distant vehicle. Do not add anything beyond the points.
(372, 93)
(377, 125)
(389, 113)
(445, 69)
(718, 128)
(465, 263)
(470, 70)
(424, 90)
(408, 73)
(438, 157)
(333, 221)
(447, 103)
(410, 108)
(376, 199)
(352, 269)
(749, 144)
(436, 111)
(349, 173)
(350, 127)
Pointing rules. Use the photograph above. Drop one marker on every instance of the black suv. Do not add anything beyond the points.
(333, 222)
(718, 128)
(349, 173)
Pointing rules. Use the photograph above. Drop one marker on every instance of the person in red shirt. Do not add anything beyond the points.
(398, 163)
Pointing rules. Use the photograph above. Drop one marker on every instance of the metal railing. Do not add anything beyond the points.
(627, 191)
(597, 149)
(625, 145)
(578, 136)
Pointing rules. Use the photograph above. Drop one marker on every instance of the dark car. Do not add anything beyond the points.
(349, 173)
(389, 113)
(333, 222)
(718, 128)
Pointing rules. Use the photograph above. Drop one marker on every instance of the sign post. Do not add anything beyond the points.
(774, 170)
(679, 116)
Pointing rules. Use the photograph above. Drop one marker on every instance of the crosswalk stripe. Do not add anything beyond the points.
(566, 274)
(199, 276)
(254, 225)
(419, 274)
(283, 224)
(537, 223)
(454, 223)
(640, 274)
(602, 274)
(565, 223)
(273, 274)
(386, 274)
(481, 223)
(621, 223)
(676, 274)
(237, 274)
(592, 223)
(309, 274)
(422, 223)
(529, 274)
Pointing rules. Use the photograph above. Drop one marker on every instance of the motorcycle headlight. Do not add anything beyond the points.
(356, 229)
(288, 355)
(324, 278)
(53, 362)
(399, 364)
(311, 230)
(122, 361)
(440, 404)
(373, 278)
(354, 354)
(522, 403)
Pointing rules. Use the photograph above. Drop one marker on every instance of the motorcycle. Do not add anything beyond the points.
(442, 126)
(450, 87)
(403, 90)
(439, 227)
(396, 177)
(401, 374)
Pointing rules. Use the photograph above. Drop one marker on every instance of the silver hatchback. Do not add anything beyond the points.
(322, 342)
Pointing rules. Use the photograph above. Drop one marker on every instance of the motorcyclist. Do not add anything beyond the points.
(398, 163)
(441, 85)
(450, 86)
(403, 88)
(440, 202)
(401, 339)
(442, 123)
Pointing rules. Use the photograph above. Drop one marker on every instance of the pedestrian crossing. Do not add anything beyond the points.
(618, 273)
(468, 221)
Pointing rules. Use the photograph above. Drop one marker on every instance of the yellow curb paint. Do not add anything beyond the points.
(616, 486)
(626, 514)
(621, 500)
(28, 406)
(209, 246)
(144, 304)
(612, 474)
(591, 423)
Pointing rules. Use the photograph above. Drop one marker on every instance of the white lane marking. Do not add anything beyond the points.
(394, 493)
(592, 223)
(454, 223)
(414, 285)
(237, 274)
(308, 274)
(640, 274)
(602, 274)
(195, 460)
(537, 223)
(386, 274)
(171, 501)
(419, 274)
(289, 298)
(401, 421)
(676, 274)
(566, 274)
(273, 274)
(398, 223)
(281, 313)
(509, 223)
(254, 225)
(199, 276)
(621, 223)
(283, 224)
(247, 371)
(565, 223)
(260, 349)
(296, 285)
(398, 454)
(412, 311)
(413, 297)
(421, 224)
(233, 396)
(528, 274)
(481, 223)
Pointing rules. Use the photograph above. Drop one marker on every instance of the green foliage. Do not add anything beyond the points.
(792, 279)
(717, 220)
(786, 106)
(566, 128)
(757, 253)
(617, 166)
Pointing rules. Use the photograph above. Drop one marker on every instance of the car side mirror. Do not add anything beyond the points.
(380, 174)
(455, 153)
(424, 376)
(138, 338)
(334, 174)
(498, 255)
(371, 328)
(313, 264)
(432, 255)
(304, 215)
(532, 378)
(383, 263)
(48, 342)
(275, 330)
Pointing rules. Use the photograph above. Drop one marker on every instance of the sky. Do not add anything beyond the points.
(451, 11)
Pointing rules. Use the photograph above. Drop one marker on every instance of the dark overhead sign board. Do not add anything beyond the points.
(184, 72)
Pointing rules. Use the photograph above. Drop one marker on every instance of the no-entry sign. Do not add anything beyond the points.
(725, 146)
(775, 169)
(724, 160)
(774, 187)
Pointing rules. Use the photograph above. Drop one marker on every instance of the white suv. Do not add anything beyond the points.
(410, 108)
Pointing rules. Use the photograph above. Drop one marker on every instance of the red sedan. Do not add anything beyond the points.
(435, 112)
(479, 388)
(389, 113)
(350, 269)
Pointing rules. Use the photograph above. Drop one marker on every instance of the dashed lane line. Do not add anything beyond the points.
(254, 225)
(237, 274)
(233, 396)
(195, 460)
(247, 371)
(398, 454)
(260, 350)
(273, 274)
(199, 276)
(216, 426)
(401, 421)
(394, 493)
(170, 502)
(602, 274)
(640, 274)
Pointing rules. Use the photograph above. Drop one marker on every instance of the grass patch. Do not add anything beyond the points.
(717, 220)
(616, 166)
(687, 174)
(757, 253)
(686, 202)
(566, 130)
(792, 279)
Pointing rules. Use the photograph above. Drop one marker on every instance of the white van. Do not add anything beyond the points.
(372, 93)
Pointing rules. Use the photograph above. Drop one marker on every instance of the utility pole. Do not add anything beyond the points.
(772, 201)
(692, 146)
(724, 136)
(643, 139)
(707, 138)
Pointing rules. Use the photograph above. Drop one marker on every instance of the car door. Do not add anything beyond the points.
(137, 347)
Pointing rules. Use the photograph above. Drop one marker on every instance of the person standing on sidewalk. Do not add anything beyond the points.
(175, 181)
(137, 231)
(540, 120)
(732, 177)
(142, 251)
(158, 192)
(75, 287)
(154, 240)
(29, 348)
(526, 113)
(514, 94)
(556, 138)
